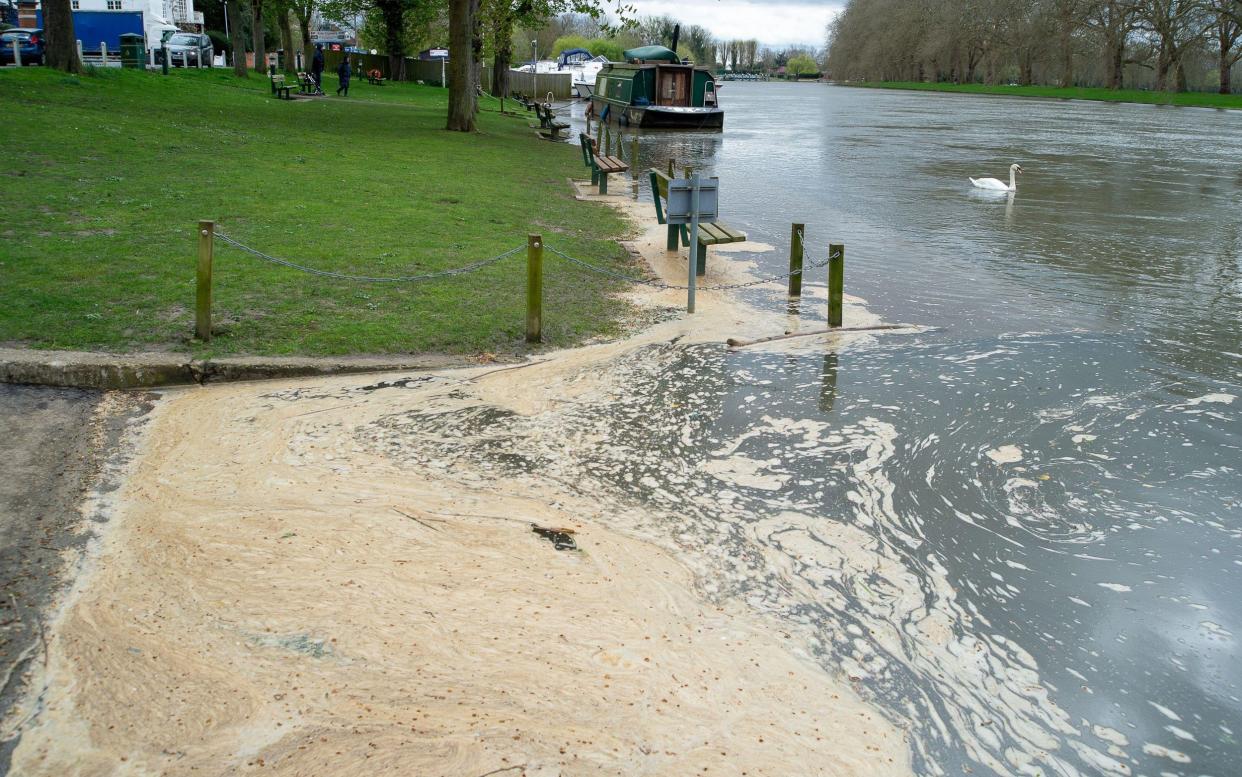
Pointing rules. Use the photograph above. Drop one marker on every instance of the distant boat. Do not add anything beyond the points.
(654, 88)
(584, 68)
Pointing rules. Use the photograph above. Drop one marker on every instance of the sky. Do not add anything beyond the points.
(772, 22)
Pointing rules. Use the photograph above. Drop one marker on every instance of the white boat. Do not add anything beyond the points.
(584, 68)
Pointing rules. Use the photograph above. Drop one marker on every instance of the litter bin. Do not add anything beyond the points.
(133, 50)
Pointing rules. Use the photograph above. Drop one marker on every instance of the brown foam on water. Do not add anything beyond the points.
(272, 595)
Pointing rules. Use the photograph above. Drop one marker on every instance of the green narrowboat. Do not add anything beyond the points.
(653, 88)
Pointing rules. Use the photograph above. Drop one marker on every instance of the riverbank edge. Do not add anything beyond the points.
(1125, 96)
(118, 371)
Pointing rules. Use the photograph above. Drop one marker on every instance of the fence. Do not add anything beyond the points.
(534, 247)
(436, 73)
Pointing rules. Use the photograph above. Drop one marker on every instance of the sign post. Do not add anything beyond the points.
(692, 200)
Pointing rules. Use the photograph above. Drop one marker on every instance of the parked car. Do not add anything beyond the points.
(187, 48)
(29, 41)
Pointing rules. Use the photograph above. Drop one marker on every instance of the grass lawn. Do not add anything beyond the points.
(1187, 99)
(105, 177)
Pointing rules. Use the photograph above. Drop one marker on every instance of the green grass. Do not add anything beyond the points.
(107, 175)
(1187, 99)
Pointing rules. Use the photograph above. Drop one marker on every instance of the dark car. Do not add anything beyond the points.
(29, 41)
(187, 48)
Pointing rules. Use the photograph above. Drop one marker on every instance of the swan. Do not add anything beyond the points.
(995, 185)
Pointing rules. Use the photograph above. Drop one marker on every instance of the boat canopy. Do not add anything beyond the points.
(652, 53)
(569, 54)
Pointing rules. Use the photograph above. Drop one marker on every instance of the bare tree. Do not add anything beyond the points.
(1226, 34)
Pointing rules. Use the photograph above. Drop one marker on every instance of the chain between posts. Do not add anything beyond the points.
(367, 278)
(683, 287)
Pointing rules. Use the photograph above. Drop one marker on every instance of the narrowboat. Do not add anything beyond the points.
(654, 88)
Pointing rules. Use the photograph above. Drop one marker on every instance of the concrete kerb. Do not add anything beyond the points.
(87, 369)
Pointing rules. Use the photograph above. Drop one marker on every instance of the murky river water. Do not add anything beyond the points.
(1021, 533)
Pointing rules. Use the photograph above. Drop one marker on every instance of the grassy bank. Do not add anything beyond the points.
(106, 176)
(1187, 99)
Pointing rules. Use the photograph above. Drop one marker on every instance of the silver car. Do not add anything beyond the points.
(187, 48)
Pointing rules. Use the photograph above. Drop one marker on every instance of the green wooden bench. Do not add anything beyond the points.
(376, 80)
(548, 124)
(710, 234)
(601, 166)
(280, 88)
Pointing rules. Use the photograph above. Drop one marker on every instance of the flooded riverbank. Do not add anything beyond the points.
(1058, 457)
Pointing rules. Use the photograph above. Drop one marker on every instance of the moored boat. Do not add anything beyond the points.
(654, 88)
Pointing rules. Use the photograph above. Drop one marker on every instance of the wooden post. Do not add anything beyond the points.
(634, 156)
(202, 299)
(796, 235)
(607, 144)
(836, 283)
(671, 164)
(534, 289)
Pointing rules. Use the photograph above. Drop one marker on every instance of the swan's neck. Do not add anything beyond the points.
(1013, 178)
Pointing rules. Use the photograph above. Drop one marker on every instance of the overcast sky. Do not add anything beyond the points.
(771, 22)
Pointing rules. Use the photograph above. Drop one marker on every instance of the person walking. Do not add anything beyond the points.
(317, 68)
(343, 72)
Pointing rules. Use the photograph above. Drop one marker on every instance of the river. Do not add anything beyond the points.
(1026, 523)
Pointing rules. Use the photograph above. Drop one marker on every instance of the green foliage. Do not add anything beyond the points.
(607, 47)
(99, 242)
(801, 65)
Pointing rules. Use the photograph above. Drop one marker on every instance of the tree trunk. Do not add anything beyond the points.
(1116, 64)
(1226, 61)
(260, 34)
(286, 42)
(1163, 63)
(1067, 54)
(62, 42)
(476, 55)
(393, 12)
(237, 39)
(1180, 76)
(502, 42)
(307, 48)
(461, 70)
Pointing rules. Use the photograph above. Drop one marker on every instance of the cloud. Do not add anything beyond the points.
(773, 23)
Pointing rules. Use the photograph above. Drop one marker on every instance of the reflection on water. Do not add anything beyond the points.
(1020, 534)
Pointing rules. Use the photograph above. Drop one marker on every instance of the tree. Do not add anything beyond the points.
(259, 35)
(237, 39)
(801, 64)
(62, 46)
(461, 107)
(1115, 20)
(1226, 33)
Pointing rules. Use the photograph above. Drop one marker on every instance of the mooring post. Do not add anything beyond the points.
(796, 235)
(534, 289)
(836, 283)
(634, 155)
(202, 299)
(671, 164)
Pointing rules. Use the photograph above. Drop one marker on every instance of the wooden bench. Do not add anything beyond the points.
(710, 234)
(280, 88)
(307, 84)
(601, 166)
(376, 80)
(548, 124)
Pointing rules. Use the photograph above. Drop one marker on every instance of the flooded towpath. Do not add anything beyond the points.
(1020, 532)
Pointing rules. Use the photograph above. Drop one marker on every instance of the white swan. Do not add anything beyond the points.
(999, 186)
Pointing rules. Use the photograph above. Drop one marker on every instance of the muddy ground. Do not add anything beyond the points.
(50, 442)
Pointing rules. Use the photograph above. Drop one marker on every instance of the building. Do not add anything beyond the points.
(159, 17)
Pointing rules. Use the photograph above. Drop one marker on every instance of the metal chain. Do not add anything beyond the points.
(662, 285)
(366, 278)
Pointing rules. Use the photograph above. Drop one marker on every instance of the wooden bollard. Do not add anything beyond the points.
(671, 164)
(634, 156)
(796, 234)
(202, 297)
(836, 283)
(534, 289)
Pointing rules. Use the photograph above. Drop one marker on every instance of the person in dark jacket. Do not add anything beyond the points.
(317, 67)
(342, 70)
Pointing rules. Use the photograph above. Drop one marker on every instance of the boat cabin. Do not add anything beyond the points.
(653, 87)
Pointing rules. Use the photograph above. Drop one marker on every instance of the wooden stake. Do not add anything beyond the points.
(836, 283)
(796, 234)
(534, 289)
(202, 298)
